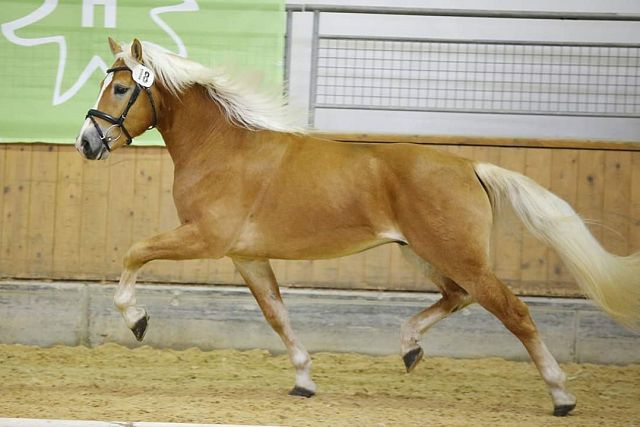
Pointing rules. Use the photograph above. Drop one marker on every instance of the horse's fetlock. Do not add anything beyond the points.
(554, 376)
(410, 339)
(301, 359)
(122, 301)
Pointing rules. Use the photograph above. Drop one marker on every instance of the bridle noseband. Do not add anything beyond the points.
(119, 122)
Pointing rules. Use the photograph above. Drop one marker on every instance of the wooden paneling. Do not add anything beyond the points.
(617, 197)
(120, 210)
(15, 212)
(93, 218)
(44, 175)
(486, 141)
(634, 213)
(66, 218)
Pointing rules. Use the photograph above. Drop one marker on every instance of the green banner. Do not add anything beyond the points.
(54, 53)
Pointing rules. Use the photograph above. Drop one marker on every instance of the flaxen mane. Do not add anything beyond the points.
(242, 103)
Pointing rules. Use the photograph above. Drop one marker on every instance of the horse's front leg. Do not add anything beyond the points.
(262, 282)
(182, 243)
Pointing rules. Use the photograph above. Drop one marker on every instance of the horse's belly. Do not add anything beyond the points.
(311, 245)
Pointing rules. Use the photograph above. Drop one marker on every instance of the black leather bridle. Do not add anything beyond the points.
(119, 122)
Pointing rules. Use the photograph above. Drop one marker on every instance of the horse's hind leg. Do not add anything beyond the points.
(450, 227)
(262, 282)
(416, 326)
(182, 243)
(471, 272)
(494, 296)
(453, 299)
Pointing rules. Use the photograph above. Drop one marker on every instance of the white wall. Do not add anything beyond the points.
(619, 6)
(443, 27)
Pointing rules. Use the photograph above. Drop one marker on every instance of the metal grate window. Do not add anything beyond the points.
(478, 76)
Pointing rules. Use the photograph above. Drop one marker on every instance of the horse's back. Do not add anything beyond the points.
(398, 172)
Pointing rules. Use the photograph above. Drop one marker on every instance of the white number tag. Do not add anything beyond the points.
(143, 75)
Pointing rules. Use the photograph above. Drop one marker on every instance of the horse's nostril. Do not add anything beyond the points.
(86, 147)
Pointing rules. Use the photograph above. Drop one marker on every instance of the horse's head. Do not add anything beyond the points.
(121, 113)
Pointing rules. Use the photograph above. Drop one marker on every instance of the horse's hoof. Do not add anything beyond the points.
(140, 328)
(301, 391)
(563, 410)
(412, 357)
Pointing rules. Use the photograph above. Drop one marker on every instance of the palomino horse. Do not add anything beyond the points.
(250, 186)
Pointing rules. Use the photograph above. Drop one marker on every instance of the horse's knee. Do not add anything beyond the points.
(135, 256)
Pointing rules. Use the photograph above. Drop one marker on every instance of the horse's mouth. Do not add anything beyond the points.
(101, 154)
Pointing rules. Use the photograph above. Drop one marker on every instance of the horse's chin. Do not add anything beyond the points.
(103, 154)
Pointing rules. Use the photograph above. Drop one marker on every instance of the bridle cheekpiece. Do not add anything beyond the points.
(144, 78)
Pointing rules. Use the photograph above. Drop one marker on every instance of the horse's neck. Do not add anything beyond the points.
(188, 124)
(196, 132)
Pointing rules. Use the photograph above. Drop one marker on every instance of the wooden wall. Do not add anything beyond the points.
(66, 218)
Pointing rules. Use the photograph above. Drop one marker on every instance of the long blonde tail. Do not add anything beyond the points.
(612, 281)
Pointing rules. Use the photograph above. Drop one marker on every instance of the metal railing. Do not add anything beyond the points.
(530, 77)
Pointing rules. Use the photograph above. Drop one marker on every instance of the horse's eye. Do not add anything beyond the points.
(120, 90)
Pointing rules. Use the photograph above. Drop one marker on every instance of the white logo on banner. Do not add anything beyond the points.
(96, 62)
(88, 6)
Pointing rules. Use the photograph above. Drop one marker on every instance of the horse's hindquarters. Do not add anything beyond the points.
(441, 208)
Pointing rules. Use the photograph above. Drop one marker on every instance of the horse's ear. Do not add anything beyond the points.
(136, 50)
(114, 46)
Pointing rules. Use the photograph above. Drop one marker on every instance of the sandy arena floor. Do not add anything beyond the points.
(115, 383)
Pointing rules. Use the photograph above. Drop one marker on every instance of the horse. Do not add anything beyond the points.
(251, 185)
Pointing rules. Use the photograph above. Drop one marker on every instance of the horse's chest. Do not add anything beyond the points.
(204, 199)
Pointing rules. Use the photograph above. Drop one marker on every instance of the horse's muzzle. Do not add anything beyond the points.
(90, 146)
(87, 151)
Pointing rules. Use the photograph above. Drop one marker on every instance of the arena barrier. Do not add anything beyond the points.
(214, 317)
